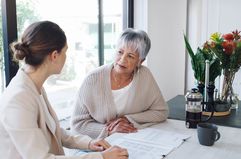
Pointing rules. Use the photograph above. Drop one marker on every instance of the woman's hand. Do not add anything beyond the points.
(121, 125)
(114, 122)
(115, 152)
(99, 145)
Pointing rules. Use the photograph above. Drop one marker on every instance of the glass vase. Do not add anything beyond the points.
(227, 89)
(233, 100)
(227, 94)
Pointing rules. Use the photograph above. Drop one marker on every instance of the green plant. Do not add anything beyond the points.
(198, 63)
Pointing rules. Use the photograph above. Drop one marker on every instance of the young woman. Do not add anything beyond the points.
(29, 128)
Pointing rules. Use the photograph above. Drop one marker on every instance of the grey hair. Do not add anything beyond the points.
(137, 40)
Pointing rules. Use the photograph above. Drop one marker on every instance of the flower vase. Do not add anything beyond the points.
(233, 100)
(227, 90)
(228, 97)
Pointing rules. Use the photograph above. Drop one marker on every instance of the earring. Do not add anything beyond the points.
(137, 69)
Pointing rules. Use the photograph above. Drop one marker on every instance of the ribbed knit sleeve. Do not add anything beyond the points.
(90, 113)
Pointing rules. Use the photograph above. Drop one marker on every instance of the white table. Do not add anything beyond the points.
(227, 147)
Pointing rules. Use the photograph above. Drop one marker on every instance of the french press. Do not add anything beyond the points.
(194, 108)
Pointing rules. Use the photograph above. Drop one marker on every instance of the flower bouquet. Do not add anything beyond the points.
(227, 48)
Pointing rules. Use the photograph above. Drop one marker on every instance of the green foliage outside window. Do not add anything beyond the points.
(25, 13)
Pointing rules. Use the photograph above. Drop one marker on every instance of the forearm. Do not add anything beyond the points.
(149, 116)
(83, 123)
(75, 141)
(88, 127)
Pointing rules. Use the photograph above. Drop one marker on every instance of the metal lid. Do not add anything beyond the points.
(194, 95)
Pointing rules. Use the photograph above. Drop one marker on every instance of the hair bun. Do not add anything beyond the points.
(20, 51)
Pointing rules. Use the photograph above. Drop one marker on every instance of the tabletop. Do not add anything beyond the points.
(227, 147)
(177, 111)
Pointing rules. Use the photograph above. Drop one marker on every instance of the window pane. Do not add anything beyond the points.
(78, 19)
(113, 22)
(2, 79)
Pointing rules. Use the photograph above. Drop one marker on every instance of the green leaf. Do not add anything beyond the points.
(199, 65)
(189, 49)
(215, 69)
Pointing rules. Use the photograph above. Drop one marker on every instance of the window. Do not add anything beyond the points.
(1, 56)
(113, 23)
(79, 20)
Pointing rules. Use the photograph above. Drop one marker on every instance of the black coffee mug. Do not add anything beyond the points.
(207, 134)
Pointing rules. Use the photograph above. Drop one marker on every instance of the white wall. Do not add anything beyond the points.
(165, 22)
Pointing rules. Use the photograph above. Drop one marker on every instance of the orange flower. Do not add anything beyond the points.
(228, 47)
(213, 44)
(205, 45)
(228, 37)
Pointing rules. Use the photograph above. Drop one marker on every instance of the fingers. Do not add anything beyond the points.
(100, 145)
(105, 144)
(124, 128)
(118, 121)
(108, 123)
(113, 124)
(124, 152)
(121, 151)
(97, 148)
(115, 152)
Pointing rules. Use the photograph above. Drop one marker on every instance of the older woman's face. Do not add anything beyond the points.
(126, 60)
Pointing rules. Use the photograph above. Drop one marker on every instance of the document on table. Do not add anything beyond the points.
(148, 143)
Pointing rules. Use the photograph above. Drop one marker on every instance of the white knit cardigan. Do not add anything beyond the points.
(95, 106)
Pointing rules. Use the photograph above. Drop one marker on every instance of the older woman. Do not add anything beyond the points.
(120, 97)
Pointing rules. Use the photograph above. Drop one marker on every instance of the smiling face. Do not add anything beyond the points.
(126, 61)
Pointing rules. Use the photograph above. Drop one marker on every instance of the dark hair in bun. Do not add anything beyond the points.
(38, 40)
(20, 51)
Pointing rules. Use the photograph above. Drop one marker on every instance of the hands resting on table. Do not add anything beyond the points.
(109, 152)
(121, 125)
